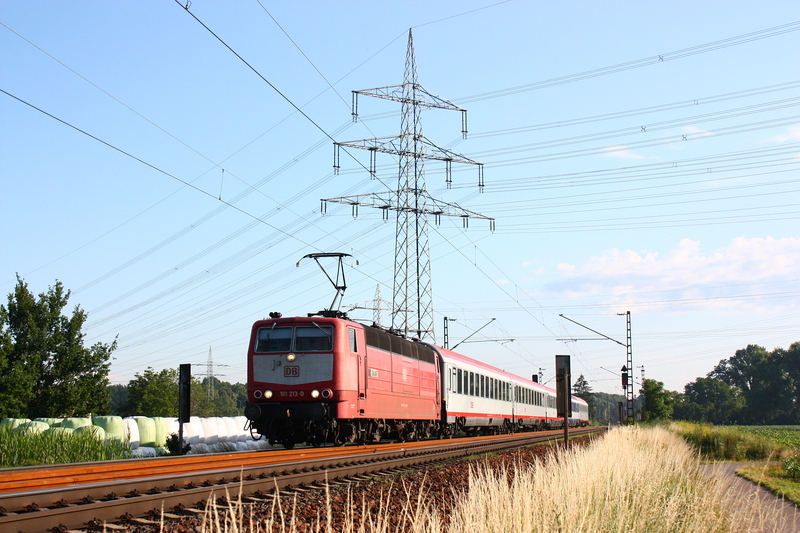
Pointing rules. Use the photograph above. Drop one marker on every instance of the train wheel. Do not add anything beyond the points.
(288, 444)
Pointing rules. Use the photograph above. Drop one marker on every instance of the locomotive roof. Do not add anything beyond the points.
(444, 352)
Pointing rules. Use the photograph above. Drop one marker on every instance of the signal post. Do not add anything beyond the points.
(563, 393)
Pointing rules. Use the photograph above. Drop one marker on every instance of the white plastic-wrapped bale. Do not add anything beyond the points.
(96, 431)
(222, 428)
(131, 432)
(210, 430)
(75, 423)
(34, 426)
(199, 448)
(143, 451)
(193, 432)
(113, 426)
(147, 432)
(231, 431)
(241, 423)
(172, 425)
(11, 423)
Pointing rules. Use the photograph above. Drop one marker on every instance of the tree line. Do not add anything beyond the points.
(46, 371)
(755, 386)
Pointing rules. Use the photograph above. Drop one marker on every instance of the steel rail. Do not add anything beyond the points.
(98, 503)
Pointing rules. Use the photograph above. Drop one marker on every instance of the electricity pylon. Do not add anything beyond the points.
(412, 300)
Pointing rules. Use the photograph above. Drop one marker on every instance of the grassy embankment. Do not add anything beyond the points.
(776, 450)
(29, 448)
(634, 479)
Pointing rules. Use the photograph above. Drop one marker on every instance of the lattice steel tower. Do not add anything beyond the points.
(412, 300)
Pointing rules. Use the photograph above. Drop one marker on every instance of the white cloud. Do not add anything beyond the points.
(792, 135)
(689, 276)
(620, 151)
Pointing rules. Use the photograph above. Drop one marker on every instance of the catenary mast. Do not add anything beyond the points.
(412, 295)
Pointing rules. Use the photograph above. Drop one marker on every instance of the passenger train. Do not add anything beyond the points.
(327, 379)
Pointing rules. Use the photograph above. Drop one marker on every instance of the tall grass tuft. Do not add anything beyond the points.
(634, 479)
(29, 448)
(727, 443)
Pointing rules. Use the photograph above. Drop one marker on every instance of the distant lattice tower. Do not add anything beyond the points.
(210, 376)
(412, 297)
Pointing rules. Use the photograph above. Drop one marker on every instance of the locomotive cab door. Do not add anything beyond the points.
(355, 346)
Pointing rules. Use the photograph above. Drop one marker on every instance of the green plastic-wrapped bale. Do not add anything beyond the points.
(76, 423)
(113, 426)
(11, 423)
(162, 426)
(52, 422)
(147, 432)
(34, 426)
(59, 431)
(98, 432)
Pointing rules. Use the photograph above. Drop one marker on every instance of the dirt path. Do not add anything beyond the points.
(775, 514)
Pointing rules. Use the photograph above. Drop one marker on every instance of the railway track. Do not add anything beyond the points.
(91, 495)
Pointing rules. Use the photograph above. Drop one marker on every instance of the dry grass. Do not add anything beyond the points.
(634, 479)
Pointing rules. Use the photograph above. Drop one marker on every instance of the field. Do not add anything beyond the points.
(787, 436)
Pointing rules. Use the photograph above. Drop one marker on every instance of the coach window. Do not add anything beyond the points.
(472, 384)
(458, 380)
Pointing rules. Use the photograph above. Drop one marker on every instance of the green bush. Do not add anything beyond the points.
(792, 467)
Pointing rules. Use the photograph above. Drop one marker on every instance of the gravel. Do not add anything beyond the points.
(306, 510)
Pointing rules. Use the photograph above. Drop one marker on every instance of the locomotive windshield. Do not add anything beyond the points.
(274, 340)
(301, 339)
(313, 339)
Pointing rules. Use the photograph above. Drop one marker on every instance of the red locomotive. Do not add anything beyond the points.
(327, 379)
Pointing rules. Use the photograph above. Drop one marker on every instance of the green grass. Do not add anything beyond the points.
(775, 447)
(729, 443)
(773, 477)
(28, 448)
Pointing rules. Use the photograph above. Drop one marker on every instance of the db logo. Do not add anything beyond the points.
(291, 371)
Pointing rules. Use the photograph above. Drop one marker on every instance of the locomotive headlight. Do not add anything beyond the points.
(267, 394)
(327, 393)
(315, 393)
(257, 394)
(290, 357)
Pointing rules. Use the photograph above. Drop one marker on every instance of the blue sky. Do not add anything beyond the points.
(637, 157)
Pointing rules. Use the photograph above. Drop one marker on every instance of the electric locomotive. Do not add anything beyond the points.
(324, 378)
(321, 379)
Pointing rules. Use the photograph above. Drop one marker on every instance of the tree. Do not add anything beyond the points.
(710, 400)
(582, 390)
(45, 370)
(153, 393)
(118, 395)
(657, 401)
(766, 385)
(228, 400)
(790, 361)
